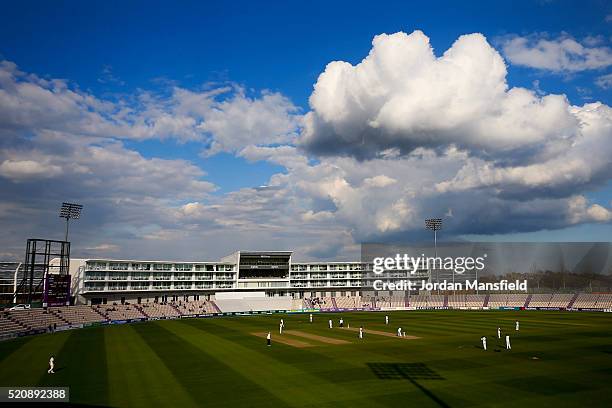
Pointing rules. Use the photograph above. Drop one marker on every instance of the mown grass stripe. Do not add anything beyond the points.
(28, 364)
(82, 359)
(285, 381)
(136, 375)
(194, 368)
(8, 347)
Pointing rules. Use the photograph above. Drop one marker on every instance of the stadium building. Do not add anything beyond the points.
(272, 273)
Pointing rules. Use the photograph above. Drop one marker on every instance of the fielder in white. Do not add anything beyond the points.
(51, 366)
(499, 333)
(280, 328)
(516, 325)
(361, 332)
(331, 324)
(484, 342)
(269, 339)
(311, 318)
(508, 346)
(399, 332)
(386, 319)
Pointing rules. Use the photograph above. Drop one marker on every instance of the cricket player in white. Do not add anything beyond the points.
(311, 318)
(280, 328)
(499, 333)
(386, 319)
(399, 332)
(331, 324)
(269, 339)
(484, 342)
(516, 325)
(341, 322)
(361, 332)
(51, 366)
(508, 347)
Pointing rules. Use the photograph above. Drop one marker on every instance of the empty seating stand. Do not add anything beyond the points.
(35, 319)
(540, 300)
(120, 312)
(75, 315)
(586, 301)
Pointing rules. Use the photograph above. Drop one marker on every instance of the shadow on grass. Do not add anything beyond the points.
(411, 372)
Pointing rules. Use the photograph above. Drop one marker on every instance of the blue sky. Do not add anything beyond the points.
(281, 46)
(116, 50)
(277, 45)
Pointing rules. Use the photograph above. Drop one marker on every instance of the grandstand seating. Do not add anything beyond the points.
(389, 301)
(498, 300)
(418, 301)
(540, 300)
(8, 326)
(561, 300)
(155, 309)
(456, 301)
(586, 301)
(77, 314)
(196, 307)
(367, 301)
(120, 312)
(436, 301)
(348, 302)
(516, 300)
(475, 300)
(18, 321)
(605, 301)
(323, 303)
(35, 319)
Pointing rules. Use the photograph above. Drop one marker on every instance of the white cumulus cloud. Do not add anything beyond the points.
(401, 96)
(561, 55)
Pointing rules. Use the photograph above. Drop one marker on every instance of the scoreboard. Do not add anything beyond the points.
(57, 290)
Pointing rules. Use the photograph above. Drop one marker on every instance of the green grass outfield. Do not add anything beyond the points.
(218, 362)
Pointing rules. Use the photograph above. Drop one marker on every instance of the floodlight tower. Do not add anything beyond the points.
(70, 211)
(435, 225)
